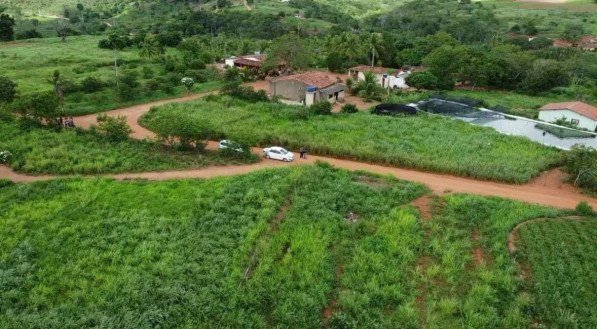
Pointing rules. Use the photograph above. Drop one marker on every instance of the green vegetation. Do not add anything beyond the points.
(212, 253)
(563, 266)
(424, 142)
(581, 164)
(42, 150)
(87, 74)
(299, 247)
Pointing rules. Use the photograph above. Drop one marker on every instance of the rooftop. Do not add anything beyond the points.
(315, 79)
(374, 69)
(581, 108)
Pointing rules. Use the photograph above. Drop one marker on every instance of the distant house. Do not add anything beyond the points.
(250, 61)
(395, 80)
(579, 113)
(307, 88)
(253, 62)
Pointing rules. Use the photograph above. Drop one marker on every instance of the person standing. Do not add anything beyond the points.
(302, 151)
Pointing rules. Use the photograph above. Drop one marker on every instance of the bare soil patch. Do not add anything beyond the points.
(424, 204)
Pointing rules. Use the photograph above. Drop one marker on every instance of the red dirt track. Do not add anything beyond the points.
(547, 189)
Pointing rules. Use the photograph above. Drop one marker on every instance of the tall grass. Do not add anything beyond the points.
(45, 151)
(560, 253)
(423, 142)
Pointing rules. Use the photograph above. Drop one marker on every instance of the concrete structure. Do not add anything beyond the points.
(395, 80)
(307, 88)
(582, 114)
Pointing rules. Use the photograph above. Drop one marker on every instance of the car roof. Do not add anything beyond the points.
(278, 148)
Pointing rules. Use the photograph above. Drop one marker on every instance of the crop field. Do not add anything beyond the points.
(300, 247)
(563, 266)
(77, 59)
(425, 142)
(45, 151)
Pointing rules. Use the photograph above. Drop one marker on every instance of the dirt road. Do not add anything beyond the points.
(548, 189)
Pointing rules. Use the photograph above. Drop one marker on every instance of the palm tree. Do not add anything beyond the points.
(369, 88)
(151, 48)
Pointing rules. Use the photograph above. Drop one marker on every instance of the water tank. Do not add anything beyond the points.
(311, 89)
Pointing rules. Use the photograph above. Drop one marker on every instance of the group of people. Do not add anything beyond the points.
(303, 153)
(67, 122)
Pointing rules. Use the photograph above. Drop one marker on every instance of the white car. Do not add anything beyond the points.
(228, 144)
(278, 153)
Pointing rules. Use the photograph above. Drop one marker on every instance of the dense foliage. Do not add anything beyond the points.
(581, 164)
(424, 142)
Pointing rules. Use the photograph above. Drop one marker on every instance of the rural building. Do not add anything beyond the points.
(582, 114)
(395, 80)
(307, 88)
(251, 61)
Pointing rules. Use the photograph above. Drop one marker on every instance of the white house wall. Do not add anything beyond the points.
(553, 115)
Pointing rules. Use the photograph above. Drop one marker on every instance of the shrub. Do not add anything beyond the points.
(152, 85)
(581, 164)
(29, 34)
(584, 209)
(5, 183)
(349, 108)
(5, 157)
(187, 132)
(91, 84)
(8, 90)
(114, 128)
(196, 65)
(321, 108)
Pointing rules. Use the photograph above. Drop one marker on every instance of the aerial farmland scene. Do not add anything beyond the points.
(330, 164)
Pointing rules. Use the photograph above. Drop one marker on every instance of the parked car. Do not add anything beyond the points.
(228, 144)
(278, 153)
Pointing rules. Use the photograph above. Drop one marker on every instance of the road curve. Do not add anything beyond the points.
(547, 189)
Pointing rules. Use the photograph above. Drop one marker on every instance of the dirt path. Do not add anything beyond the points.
(546, 190)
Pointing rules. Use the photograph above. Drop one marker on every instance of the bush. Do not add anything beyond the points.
(152, 85)
(581, 164)
(5, 183)
(8, 90)
(584, 209)
(29, 34)
(349, 108)
(114, 128)
(5, 157)
(187, 132)
(91, 84)
(321, 108)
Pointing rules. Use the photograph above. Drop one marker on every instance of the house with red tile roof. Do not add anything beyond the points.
(582, 114)
(308, 88)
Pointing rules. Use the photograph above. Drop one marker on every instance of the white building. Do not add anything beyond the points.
(579, 113)
(395, 80)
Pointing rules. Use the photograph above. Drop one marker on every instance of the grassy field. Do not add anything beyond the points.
(31, 64)
(300, 247)
(563, 262)
(44, 151)
(424, 142)
(550, 18)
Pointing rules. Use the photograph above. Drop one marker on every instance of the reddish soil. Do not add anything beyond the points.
(547, 189)
(478, 253)
(424, 205)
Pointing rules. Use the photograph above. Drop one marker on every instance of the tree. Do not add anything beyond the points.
(7, 23)
(423, 80)
(115, 129)
(41, 106)
(62, 29)
(288, 49)
(8, 90)
(581, 164)
(151, 48)
(369, 88)
(544, 75)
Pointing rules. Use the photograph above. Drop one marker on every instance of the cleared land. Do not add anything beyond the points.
(424, 142)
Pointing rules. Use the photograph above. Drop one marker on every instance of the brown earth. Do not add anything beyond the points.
(547, 189)
(424, 205)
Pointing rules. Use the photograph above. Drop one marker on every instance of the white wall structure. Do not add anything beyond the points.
(396, 80)
(582, 121)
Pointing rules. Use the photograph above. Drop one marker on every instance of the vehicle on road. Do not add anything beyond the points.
(228, 144)
(278, 153)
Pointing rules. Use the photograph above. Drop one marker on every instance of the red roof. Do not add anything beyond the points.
(581, 108)
(315, 79)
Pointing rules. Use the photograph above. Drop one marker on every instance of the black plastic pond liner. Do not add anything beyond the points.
(394, 109)
(453, 109)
